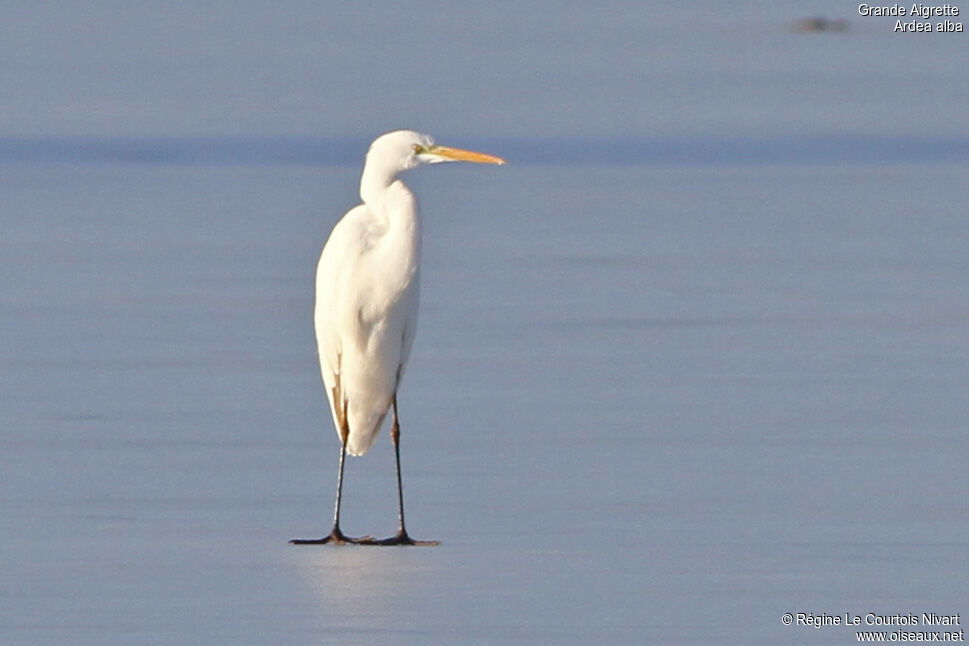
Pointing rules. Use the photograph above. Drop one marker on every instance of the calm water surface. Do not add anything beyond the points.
(697, 357)
(647, 404)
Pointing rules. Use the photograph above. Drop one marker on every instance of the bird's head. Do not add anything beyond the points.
(406, 149)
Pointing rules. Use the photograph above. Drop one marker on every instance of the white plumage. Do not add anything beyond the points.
(367, 287)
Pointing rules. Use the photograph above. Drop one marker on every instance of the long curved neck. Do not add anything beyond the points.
(377, 177)
(388, 198)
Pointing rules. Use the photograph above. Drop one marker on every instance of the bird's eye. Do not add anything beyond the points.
(418, 149)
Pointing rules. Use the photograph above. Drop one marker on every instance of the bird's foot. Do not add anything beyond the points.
(337, 538)
(401, 538)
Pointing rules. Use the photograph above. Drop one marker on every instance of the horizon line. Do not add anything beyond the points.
(649, 150)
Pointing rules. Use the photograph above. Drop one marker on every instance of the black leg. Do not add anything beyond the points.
(401, 538)
(336, 536)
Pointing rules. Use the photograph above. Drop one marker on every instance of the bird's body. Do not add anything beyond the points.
(367, 288)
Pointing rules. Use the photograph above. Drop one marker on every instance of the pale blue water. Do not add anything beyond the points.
(696, 365)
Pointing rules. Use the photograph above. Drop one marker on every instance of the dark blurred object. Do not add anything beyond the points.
(818, 24)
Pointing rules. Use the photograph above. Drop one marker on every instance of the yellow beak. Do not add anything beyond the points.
(456, 154)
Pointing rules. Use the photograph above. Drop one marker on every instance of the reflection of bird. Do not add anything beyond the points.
(367, 285)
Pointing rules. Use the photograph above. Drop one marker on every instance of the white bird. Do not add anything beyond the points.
(367, 285)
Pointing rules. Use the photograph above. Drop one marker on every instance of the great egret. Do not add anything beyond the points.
(367, 285)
